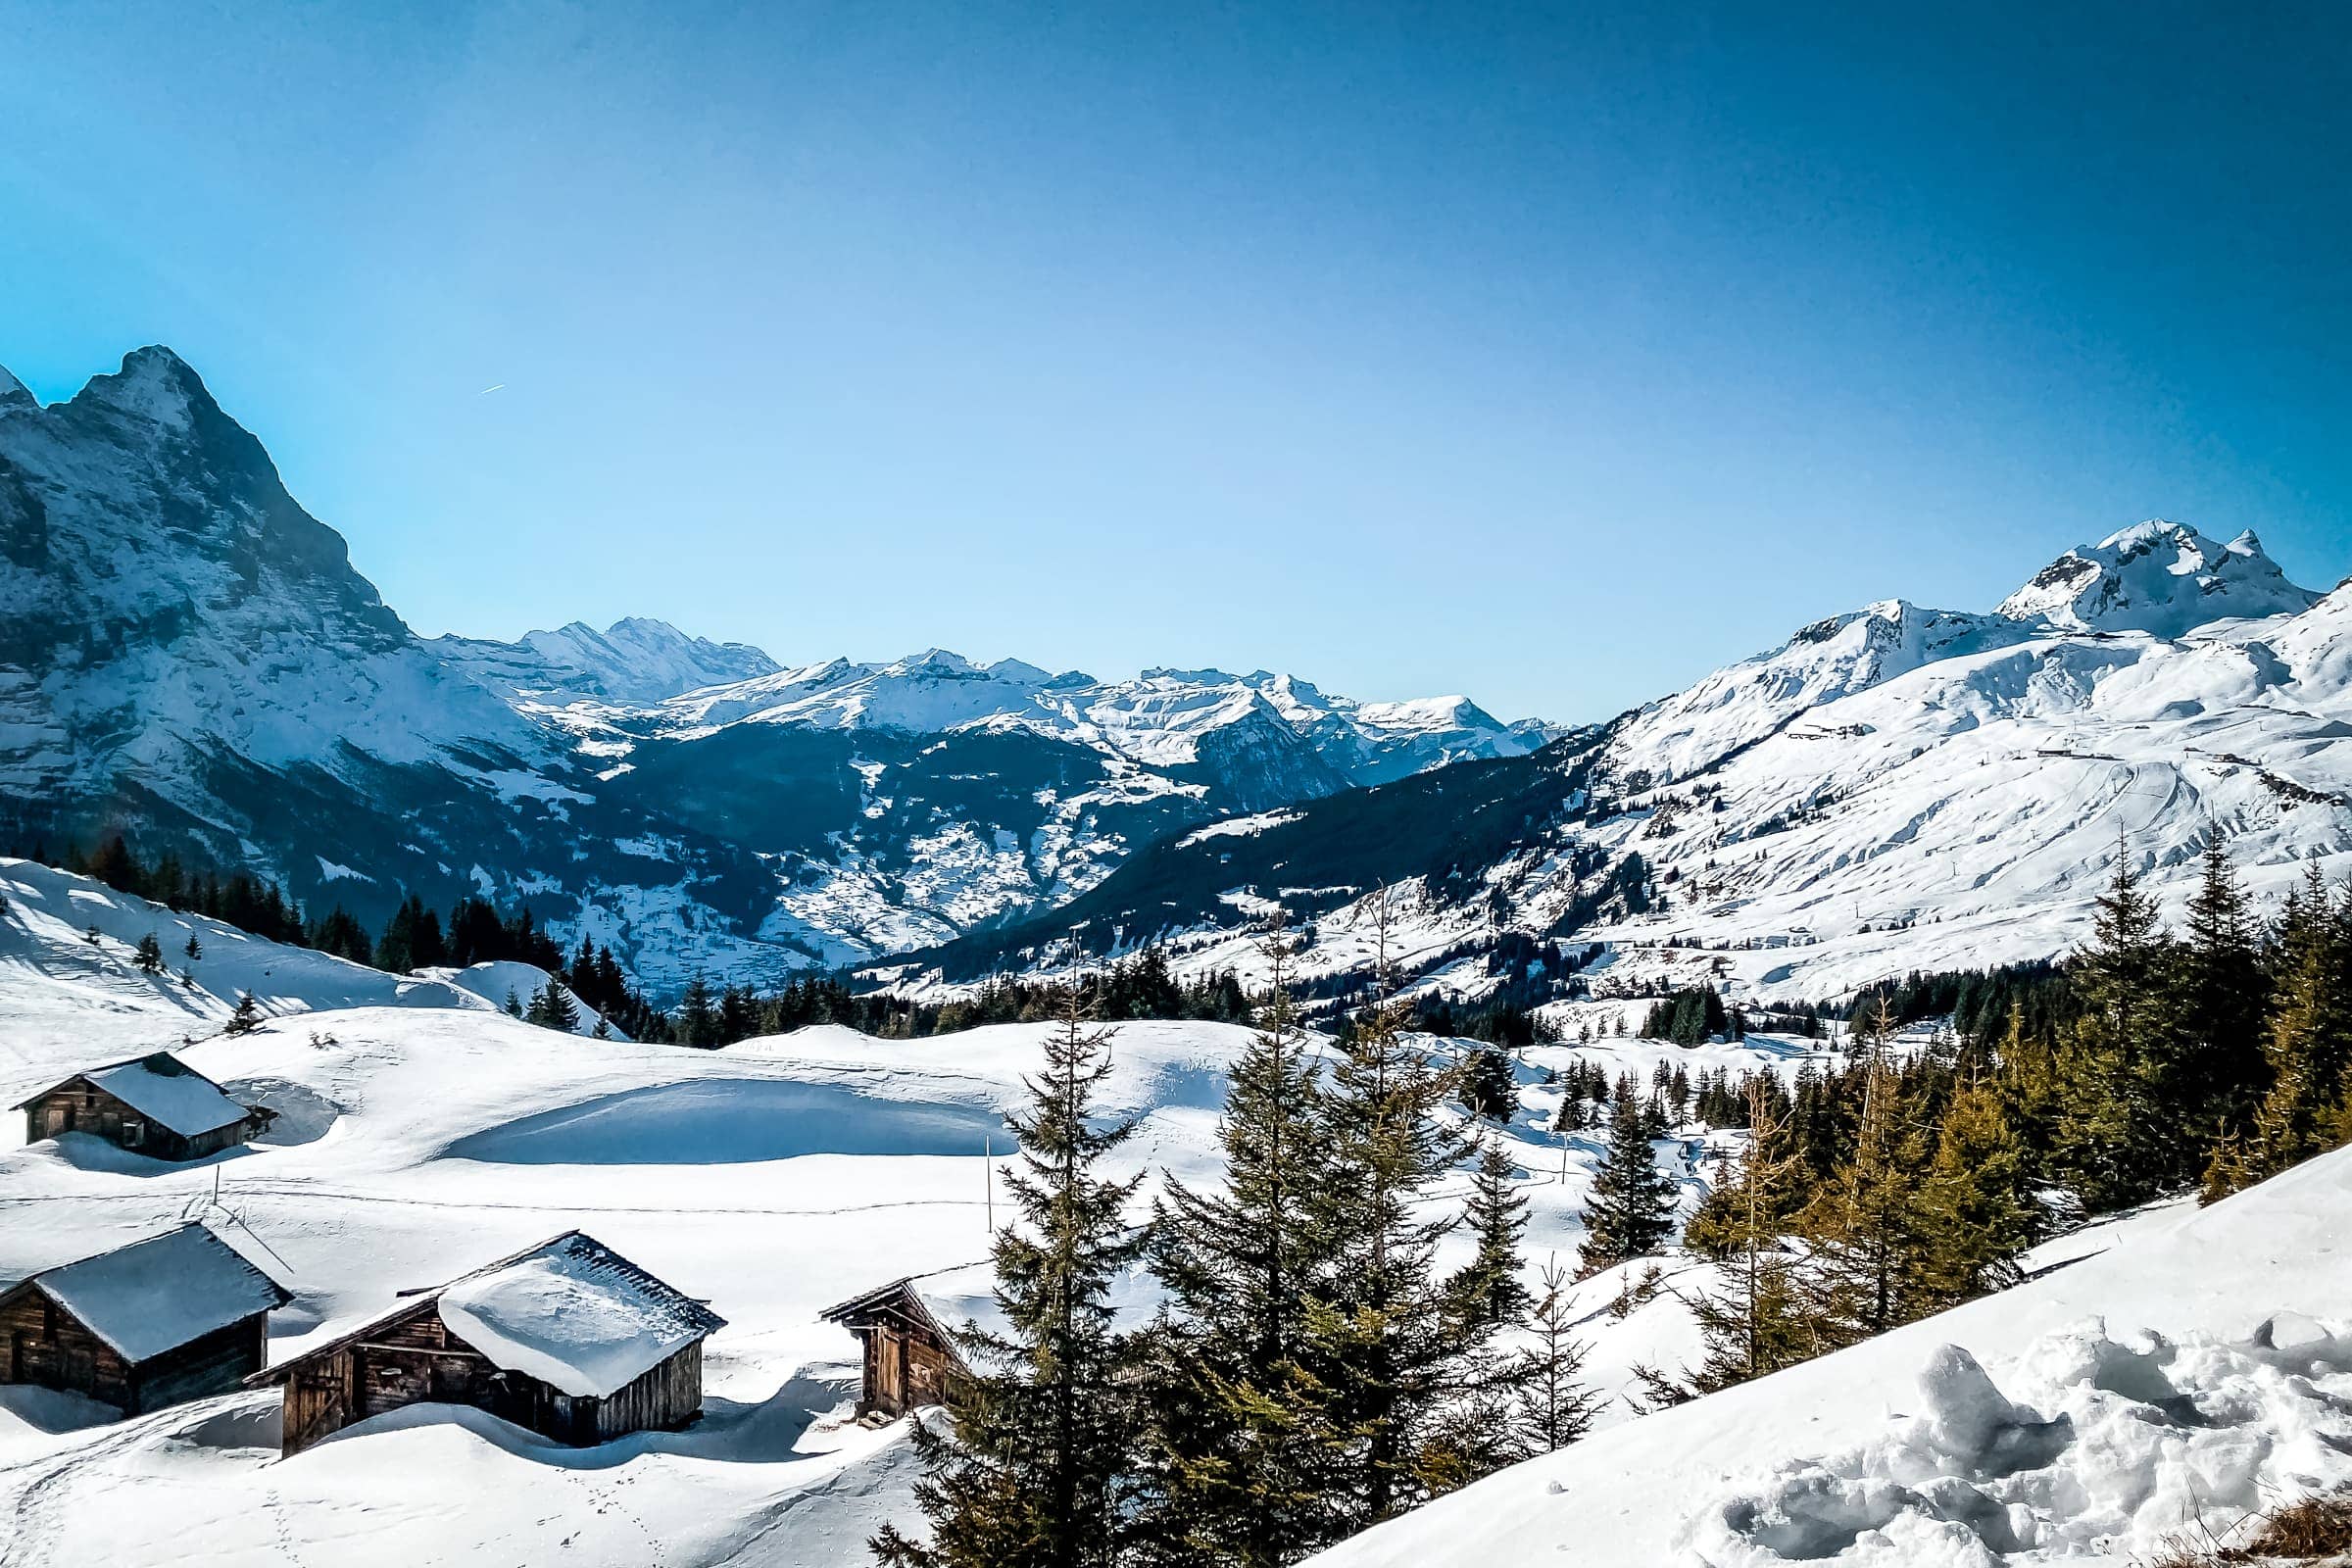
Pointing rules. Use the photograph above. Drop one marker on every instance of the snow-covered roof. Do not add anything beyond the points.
(157, 1294)
(164, 1090)
(570, 1313)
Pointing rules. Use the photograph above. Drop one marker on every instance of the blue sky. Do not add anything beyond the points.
(1550, 356)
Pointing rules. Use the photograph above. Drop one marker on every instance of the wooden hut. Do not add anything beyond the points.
(156, 1105)
(911, 1358)
(174, 1317)
(567, 1339)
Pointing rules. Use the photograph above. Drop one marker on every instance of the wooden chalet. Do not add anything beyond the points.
(911, 1358)
(567, 1339)
(178, 1317)
(156, 1105)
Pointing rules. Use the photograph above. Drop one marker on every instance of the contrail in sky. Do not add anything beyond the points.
(487, 391)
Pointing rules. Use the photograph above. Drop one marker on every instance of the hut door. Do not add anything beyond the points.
(890, 1382)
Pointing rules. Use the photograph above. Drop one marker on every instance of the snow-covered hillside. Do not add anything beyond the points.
(422, 1133)
(2197, 1369)
(1895, 789)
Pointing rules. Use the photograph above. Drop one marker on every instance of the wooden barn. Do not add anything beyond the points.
(911, 1358)
(567, 1339)
(174, 1317)
(156, 1105)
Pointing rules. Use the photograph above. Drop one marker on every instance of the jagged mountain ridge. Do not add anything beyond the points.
(1894, 788)
(187, 656)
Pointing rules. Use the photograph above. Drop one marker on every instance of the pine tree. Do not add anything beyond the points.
(513, 1004)
(1630, 1212)
(1488, 1291)
(1384, 1344)
(194, 949)
(2113, 1140)
(698, 1019)
(2311, 1031)
(1554, 1409)
(1039, 1470)
(149, 955)
(602, 1029)
(247, 1018)
(1489, 1088)
(2211, 1082)
(1754, 1324)
(1236, 1455)
(1976, 1207)
(1864, 1226)
(551, 1008)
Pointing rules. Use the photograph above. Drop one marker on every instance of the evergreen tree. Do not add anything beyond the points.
(1386, 1345)
(1235, 1450)
(247, 1018)
(149, 955)
(2310, 1033)
(1488, 1292)
(551, 1008)
(2211, 1081)
(2113, 1142)
(698, 1019)
(1489, 1088)
(1039, 1470)
(1554, 1409)
(1978, 1210)
(194, 949)
(1630, 1213)
(1754, 1324)
(602, 1029)
(1864, 1227)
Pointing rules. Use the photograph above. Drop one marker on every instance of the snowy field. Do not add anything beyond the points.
(2160, 1364)
(422, 1133)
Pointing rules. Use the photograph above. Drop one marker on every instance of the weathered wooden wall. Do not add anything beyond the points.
(906, 1367)
(43, 1344)
(415, 1359)
(86, 1109)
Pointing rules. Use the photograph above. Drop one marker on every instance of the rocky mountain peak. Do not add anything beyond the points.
(2156, 576)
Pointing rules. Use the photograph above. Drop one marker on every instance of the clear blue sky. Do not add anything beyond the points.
(1553, 358)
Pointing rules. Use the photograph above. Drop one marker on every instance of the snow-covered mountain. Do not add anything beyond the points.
(187, 657)
(1891, 789)
(2157, 578)
(632, 661)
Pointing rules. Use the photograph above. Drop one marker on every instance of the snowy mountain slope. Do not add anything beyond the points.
(1893, 789)
(188, 658)
(1892, 1453)
(70, 979)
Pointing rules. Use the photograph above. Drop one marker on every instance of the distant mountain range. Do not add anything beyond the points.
(188, 657)
(1890, 789)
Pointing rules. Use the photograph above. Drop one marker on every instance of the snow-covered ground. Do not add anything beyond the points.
(422, 1133)
(2197, 1367)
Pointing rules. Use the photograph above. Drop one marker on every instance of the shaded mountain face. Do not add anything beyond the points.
(1895, 788)
(189, 658)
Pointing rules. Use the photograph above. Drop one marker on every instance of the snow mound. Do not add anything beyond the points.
(569, 1317)
(2144, 1438)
